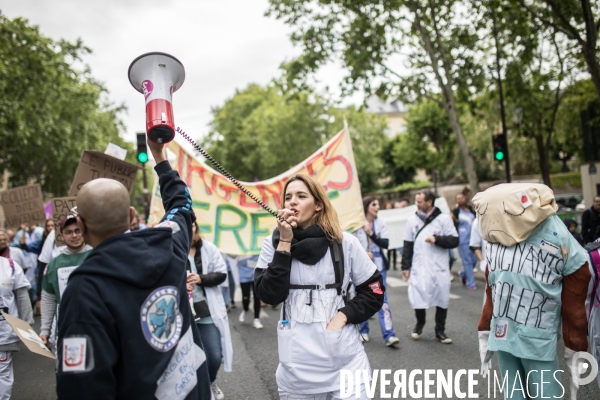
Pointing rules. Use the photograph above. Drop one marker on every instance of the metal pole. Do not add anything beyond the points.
(502, 112)
(146, 202)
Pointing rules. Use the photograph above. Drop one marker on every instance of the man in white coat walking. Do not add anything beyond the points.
(428, 236)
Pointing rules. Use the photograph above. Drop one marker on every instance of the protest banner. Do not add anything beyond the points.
(23, 205)
(235, 223)
(28, 336)
(94, 165)
(395, 220)
(61, 207)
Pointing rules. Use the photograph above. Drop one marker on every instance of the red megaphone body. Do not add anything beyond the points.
(157, 76)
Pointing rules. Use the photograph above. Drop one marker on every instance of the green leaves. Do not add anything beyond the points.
(261, 132)
(49, 111)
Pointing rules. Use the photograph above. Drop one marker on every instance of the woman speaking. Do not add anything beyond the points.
(308, 264)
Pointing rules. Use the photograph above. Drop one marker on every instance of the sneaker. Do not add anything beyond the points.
(463, 278)
(451, 277)
(256, 324)
(472, 287)
(243, 316)
(417, 332)
(233, 304)
(442, 338)
(392, 341)
(218, 393)
(364, 337)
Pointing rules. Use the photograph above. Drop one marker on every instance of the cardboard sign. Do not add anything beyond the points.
(94, 165)
(115, 151)
(23, 205)
(28, 336)
(61, 207)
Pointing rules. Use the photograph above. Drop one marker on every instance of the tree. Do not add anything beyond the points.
(49, 111)
(262, 132)
(368, 35)
(579, 21)
(426, 143)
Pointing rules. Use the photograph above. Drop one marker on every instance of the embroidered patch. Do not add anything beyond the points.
(549, 247)
(161, 319)
(74, 350)
(501, 330)
(376, 288)
(524, 199)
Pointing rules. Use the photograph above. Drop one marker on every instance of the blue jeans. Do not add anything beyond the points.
(211, 341)
(469, 262)
(383, 314)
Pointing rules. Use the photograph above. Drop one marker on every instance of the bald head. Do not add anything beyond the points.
(103, 206)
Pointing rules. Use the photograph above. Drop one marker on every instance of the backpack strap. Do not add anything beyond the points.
(337, 257)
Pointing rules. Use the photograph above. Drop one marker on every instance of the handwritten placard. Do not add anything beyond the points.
(28, 336)
(61, 207)
(180, 376)
(23, 205)
(94, 165)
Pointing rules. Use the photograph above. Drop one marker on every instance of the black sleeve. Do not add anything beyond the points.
(407, 256)
(272, 284)
(368, 300)
(383, 243)
(446, 242)
(213, 279)
(585, 227)
(178, 206)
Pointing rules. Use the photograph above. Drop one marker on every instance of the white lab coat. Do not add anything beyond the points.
(477, 241)
(310, 357)
(429, 284)
(212, 261)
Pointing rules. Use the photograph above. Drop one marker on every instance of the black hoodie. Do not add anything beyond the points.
(128, 302)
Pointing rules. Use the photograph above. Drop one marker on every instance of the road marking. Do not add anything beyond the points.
(397, 282)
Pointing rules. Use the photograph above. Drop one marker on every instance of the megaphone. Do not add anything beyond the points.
(157, 76)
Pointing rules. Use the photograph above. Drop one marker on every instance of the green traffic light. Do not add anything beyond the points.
(499, 156)
(143, 157)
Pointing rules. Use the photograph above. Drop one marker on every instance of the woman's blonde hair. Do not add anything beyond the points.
(196, 236)
(327, 218)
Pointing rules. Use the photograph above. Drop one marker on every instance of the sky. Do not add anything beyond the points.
(224, 45)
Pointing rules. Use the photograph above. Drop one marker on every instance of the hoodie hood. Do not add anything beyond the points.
(138, 258)
(569, 221)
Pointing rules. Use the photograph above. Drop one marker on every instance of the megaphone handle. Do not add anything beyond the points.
(229, 176)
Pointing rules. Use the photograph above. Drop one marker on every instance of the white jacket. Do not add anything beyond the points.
(212, 261)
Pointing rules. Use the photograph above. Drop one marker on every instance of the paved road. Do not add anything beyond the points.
(255, 351)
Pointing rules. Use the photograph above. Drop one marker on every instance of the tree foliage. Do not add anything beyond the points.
(262, 132)
(49, 110)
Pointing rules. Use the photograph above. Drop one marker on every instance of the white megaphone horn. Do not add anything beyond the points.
(157, 75)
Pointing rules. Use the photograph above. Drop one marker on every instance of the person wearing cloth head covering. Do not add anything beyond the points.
(571, 225)
(57, 274)
(308, 264)
(537, 281)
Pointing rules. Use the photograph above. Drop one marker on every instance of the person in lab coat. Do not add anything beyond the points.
(307, 264)
(428, 236)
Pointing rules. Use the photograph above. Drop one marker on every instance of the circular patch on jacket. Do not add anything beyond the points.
(161, 319)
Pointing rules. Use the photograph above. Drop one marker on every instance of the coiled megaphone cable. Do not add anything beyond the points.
(224, 172)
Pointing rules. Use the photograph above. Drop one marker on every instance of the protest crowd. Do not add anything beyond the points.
(74, 272)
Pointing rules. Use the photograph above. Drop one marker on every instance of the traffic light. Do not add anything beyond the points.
(499, 145)
(142, 148)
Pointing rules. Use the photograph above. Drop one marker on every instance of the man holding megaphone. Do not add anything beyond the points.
(126, 327)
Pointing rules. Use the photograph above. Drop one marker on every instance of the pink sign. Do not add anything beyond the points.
(147, 88)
